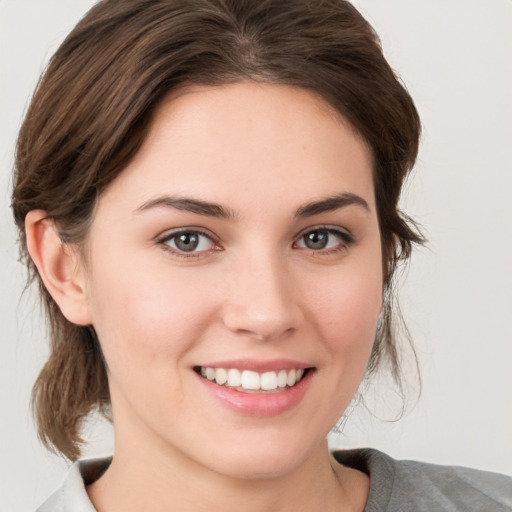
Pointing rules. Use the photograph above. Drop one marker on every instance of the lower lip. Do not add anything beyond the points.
(259, 404)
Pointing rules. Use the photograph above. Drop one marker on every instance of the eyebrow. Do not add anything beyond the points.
(330, 204)
(190, 205)
(209, 209)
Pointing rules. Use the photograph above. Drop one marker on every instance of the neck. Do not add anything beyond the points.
(139, 480)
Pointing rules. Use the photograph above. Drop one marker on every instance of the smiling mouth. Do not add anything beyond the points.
(249, 381)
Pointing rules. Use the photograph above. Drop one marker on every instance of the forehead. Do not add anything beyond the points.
(263, 141)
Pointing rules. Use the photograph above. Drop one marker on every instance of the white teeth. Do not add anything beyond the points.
(282, 378)
(250, 380)
(234, 378)
(221, 376)
(268, 381)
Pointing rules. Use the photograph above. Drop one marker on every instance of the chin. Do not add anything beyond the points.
(264, 460)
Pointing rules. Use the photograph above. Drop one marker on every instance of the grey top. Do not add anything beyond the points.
(395, 486)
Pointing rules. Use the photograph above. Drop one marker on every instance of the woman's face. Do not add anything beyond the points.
(241, 243)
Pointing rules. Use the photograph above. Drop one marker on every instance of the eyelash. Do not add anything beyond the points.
(346, 240)
(186, 231)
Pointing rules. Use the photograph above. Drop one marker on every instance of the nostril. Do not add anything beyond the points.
(262, 327)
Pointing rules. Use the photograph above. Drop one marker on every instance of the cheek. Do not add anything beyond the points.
(150, 316)
(343, 310)
(346, 308)
(146, 327)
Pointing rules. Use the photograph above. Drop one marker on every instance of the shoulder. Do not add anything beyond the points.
(410, 485)
(72, 495)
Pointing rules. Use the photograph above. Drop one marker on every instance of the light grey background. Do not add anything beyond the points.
(456, 58)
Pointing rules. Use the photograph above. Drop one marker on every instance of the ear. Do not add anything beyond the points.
(59, 267)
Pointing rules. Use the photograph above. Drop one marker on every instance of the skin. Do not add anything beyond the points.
(253, 290)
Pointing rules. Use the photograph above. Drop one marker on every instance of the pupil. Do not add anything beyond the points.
(187, 242)
(316, 240)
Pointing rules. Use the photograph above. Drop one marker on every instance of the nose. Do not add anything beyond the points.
(262, 302)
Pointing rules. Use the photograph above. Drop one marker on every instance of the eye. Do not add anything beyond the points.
(188, 241)
(324, 239)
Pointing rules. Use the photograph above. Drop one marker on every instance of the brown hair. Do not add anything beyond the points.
(91, 111)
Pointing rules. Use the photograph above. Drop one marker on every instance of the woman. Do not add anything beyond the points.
(211, 207)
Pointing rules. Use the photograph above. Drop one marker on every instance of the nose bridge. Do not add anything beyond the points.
(261, 302)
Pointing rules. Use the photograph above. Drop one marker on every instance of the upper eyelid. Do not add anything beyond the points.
(171, 233)
(168, 235)
(328, 227)
(345, 240)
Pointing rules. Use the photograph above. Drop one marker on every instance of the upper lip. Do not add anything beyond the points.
(258, 366)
